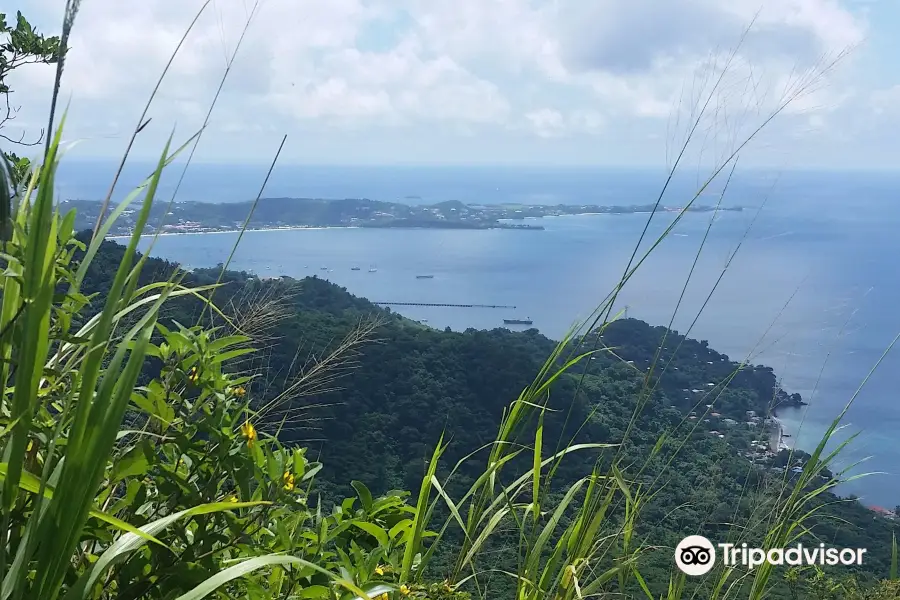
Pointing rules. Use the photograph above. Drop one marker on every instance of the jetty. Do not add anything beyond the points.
(776, 438)
(443, 305)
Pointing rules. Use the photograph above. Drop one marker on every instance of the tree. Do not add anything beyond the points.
(21, 46)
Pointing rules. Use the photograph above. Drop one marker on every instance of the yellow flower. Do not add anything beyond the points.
(405, 590)
(379, 570)
(249, 432)
(193, 375)
(384, 596)
(288, 480)
(239, 391)
(447, 587)
(231, 498)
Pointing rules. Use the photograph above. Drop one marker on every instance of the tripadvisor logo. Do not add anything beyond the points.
(695, 555)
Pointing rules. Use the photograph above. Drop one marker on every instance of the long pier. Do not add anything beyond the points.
(443, 305)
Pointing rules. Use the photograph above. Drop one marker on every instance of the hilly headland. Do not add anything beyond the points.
(288, 213)
(700, 435)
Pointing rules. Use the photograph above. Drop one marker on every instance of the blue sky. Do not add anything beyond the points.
(603, 82)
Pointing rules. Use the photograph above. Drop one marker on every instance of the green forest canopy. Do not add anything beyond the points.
(406, 384)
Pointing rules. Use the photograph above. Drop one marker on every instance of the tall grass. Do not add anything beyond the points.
(192, 500)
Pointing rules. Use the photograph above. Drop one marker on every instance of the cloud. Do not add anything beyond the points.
(635, 36)
(546, 122)
(550, 123)
(551, 67)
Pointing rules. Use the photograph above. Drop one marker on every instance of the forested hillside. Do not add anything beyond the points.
(374, 413)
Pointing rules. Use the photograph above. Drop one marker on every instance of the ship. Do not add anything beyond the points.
(424, 276)
(354, 268)
(517, 321)
(323, 268)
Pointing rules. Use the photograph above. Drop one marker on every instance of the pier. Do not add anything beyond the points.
(443, 305)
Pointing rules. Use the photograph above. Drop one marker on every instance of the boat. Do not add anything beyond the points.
(424, 276)
(354, 268)
(517, 321)
(323, 268)
(372, 270)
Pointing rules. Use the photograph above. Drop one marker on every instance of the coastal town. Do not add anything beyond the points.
(298, 213)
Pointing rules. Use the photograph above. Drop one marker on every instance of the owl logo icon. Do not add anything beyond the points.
(695, 555)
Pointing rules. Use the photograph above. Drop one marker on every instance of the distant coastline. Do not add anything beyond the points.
(306, 213)
(125, 236)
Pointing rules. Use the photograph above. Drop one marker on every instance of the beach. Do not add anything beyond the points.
(218, 231)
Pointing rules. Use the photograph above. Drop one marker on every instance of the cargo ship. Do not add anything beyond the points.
(424, 276)
(354, 268)
(517, 321)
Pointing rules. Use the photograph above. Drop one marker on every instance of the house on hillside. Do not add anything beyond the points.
(888, 514)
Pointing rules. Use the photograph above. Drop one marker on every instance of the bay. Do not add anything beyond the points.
(812, 291)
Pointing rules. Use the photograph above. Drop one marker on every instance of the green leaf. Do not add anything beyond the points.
(400, 527)
(32, 484)
(316, 467)
(365, 496)
(248, 566)
(133, 463)
(67, 227)
(230, 355)
(220, 344)
(129, 542)
(314, 591)
(375, 531)
(893, 574)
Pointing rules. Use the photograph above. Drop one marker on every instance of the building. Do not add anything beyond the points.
(883, 512)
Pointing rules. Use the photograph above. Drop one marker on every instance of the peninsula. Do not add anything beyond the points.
(290, 213)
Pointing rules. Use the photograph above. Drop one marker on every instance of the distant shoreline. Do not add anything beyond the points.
(320, 227)
(307, 213)
(248, 230)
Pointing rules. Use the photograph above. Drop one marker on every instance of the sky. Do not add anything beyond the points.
(537, 82)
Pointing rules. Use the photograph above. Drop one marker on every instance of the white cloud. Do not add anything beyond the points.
(546, 122)
(457, 65)
(551, 123)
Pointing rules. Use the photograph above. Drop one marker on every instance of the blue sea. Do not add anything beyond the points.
(812, 291)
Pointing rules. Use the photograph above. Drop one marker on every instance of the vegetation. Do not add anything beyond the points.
(23, 46)
(189, 435)
(192, 217)
(402, 385)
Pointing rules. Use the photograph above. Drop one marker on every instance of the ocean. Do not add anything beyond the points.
(812, 290)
